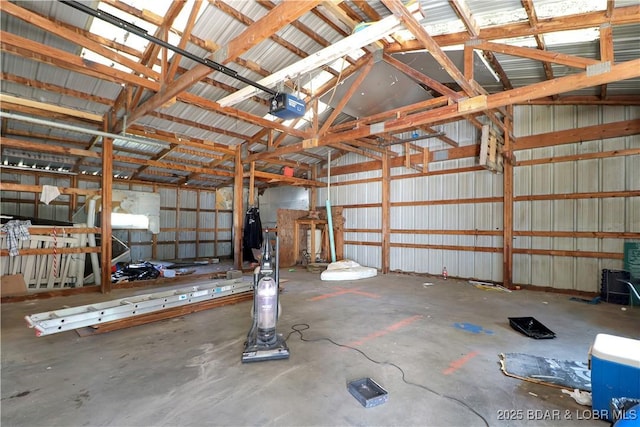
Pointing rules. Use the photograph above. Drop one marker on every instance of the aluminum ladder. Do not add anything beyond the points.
(51, 322)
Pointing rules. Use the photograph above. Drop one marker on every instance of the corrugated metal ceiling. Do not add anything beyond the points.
(216, 26)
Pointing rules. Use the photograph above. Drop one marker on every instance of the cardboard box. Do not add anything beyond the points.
(12, 284)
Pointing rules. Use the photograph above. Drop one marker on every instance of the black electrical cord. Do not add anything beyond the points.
(127, 26)
(299, 327)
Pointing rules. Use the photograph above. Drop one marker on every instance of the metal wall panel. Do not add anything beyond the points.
(286, 197)
(466, 185)
(614, 214)
(589, 214)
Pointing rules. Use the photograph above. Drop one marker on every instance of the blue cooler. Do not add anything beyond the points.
(615, 371)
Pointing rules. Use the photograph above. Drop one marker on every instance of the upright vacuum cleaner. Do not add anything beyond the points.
(263, 343)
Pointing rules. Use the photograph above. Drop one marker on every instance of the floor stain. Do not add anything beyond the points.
(470, 327)
(21, 394)
(81, 398)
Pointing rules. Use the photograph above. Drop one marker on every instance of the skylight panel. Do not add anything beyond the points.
(447, 27)
(118, 35)
(551, 9)
(501, 17)
(572, 36)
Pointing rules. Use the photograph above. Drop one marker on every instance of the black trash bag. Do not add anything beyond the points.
(252, 234)
(130, 272)
(622, 407)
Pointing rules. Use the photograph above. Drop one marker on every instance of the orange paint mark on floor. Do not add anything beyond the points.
(331, 295)
(459, 363)
(342, 291)
(388, 329)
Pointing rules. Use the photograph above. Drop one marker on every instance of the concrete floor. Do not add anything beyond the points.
(187, 371)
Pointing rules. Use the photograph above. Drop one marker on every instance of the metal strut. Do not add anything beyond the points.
(51, 322)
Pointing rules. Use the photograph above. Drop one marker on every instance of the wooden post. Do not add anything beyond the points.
(252, 183)
(73, 199)
(105, 214)
(237, 209)
(154, 237)
(176, 244)
(507, 206)
(215, 230)
(198, 224)
(36, 213)
(313, 192)
(386, 213)
(468, 63)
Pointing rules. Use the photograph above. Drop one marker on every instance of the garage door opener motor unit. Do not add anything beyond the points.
(286, 106)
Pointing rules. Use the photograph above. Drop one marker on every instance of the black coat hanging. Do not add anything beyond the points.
(252, 234)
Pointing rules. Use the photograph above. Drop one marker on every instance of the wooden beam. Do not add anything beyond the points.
(347, 96)
(395, 113)
(469, 57)
(622, 71)
(181, 141)
(273, 177)
(422, 78)
(171, 166)
(191, 21)
(606, 51)
(495, 64)
(67, 34)
(252, 176)
(507, 206)
(60, 58)
(618, 100)
(443, 138)
(464, 13)
(430, 44)
(25, 188)
(275, 19)
(471, 87)
(386, 215)
(106, 200)
(238, 209)
(533, 21)
(48, 148)
(574, 196)
(620, 16)
(158, 20)
(577, 157)
(610, 130)
(309, 32)
(49, 87)
(539, 55)
(610, 8)
(349, 148)
(9, 99)
(168, 313)
(588, 133)
(276, 38)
